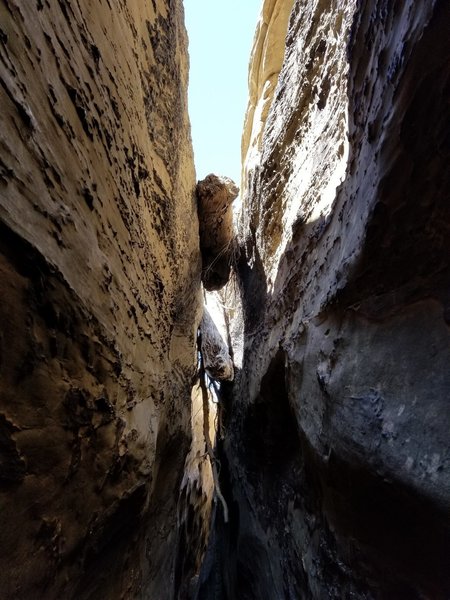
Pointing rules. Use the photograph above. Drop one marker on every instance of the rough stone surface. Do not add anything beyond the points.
(214, 200)
(336, 456)
(100, 300)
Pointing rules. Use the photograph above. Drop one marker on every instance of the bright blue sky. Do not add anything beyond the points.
(220, 39)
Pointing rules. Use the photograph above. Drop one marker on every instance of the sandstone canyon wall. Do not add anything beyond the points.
(99, 287)
(333, 444)
(336, 455)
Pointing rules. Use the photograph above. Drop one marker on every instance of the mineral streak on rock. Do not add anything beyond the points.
(336, 449)
(100, 296)
(215, 196)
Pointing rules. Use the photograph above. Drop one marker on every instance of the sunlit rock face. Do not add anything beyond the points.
(99, 287)
(264, 67)
(337, 455)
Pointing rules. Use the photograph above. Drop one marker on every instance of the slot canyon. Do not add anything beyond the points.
(203, 399)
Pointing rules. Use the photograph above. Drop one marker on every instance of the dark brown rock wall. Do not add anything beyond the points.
(336, 457)
(100, 277)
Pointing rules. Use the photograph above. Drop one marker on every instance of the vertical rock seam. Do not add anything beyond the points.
(100, 296)
(336, 454)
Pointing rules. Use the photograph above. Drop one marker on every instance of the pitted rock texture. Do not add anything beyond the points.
(215, 196)
(100, 296)
(336, 457)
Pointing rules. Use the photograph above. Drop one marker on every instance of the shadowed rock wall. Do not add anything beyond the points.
(336, 457)
(99, 288)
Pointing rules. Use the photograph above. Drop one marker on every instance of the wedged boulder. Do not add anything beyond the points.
(215, 196)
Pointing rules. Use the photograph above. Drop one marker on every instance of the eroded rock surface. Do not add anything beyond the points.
(336, 457)
(99, 288)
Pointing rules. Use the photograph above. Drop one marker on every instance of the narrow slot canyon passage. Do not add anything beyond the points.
(224, 347)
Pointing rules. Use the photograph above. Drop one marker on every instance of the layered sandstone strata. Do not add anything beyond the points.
(99, 287)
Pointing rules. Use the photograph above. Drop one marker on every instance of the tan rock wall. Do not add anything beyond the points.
(99, 296)
(264, 67)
